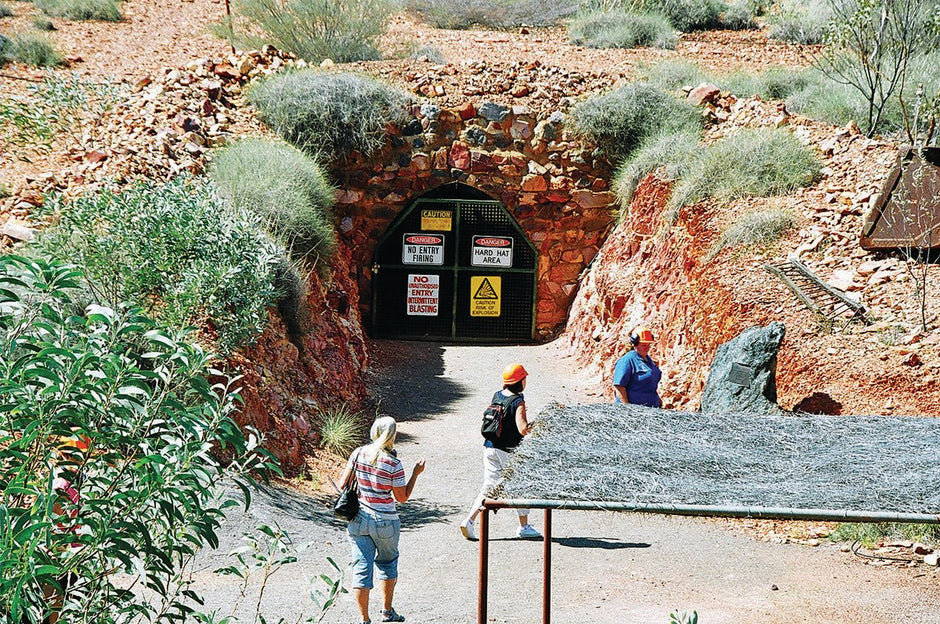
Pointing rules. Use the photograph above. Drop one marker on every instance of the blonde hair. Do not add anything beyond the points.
(383, 434)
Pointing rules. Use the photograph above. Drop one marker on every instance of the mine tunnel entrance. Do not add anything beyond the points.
(455, 264)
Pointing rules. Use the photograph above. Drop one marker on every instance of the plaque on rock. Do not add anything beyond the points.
(741, 375)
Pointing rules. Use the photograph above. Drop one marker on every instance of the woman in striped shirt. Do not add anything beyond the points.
(373, 533)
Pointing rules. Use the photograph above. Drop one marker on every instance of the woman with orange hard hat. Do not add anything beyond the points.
(496, 448)
(636, 375)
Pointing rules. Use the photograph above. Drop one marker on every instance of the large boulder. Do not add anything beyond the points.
(742, 377)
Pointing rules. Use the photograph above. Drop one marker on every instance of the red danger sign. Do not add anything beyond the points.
(423, 239)
(484, 241)
(422, 249)
(491, 251)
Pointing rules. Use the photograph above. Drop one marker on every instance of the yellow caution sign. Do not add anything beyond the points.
(436, 220)
(485, 295)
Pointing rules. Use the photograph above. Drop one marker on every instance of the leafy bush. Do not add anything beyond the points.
(176, 250)
(340, 429)
(5, 11)
(674, 75)
(621, 29)
(31, 48)
(52, 110)
(750, 162)
(314, 30)
(670, 153)
(869, 534)
(621, 120)
(754, 228)
(799, 21)
(283, 187)
(138, 399)
(329, 115)
(491, 13)
(103, 10)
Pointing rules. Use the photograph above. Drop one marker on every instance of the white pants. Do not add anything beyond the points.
(494, 460)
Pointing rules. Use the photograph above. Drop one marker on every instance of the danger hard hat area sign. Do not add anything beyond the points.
(492, 251)
(485, 295)
(423, 295)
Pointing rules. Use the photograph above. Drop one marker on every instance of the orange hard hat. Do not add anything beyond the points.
(514, 373)
(641, 335)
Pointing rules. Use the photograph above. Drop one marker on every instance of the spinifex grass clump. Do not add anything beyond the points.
(314, 30)
(491, 13)
(329, 115)
(754, 228)
(30, 48)
(340, 430)
(621, 29)
(175, 249)
(670, 155)
(103, 10)
(621, 120)
(5, 11)
(750, 162)
(284, 188)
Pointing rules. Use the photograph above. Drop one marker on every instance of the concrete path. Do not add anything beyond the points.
(608, 568)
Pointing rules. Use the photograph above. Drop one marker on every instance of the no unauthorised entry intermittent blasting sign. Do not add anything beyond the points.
(423, 297)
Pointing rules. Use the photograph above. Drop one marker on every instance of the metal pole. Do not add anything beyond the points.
(547, 570)
(484, 563)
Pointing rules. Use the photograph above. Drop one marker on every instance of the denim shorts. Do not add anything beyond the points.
(373, 541)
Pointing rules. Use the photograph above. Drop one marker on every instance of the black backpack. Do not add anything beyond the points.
(493, 416)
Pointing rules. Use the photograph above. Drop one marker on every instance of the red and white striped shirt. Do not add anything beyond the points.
(376, 483)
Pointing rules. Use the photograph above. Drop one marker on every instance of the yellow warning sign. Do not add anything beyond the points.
(485, 295)
(436, 220)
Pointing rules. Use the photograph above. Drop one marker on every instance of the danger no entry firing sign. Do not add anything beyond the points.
(485, 294)
(422, 249)
(423, 297)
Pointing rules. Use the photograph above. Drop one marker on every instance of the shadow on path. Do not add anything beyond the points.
(592, 542)
(417, 513)
(408, 382)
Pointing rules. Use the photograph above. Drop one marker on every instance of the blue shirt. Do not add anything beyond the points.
(640, 376)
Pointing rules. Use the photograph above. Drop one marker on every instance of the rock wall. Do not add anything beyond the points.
(556, 188)
(288, 383)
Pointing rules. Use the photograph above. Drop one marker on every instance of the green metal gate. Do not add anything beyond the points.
(455, 269)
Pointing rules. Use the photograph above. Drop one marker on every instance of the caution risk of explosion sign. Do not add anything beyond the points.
(485, 295)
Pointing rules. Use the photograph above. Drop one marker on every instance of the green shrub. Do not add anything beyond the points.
(314, 30)
(5, 11)
(671, 154)
(738, 16)
(103, 10)
(757, 162)
(430, 53)
(41, 22)
(151, 491)
(621, 29)
(340, 430)
(32, 48)
(329, 115)
(621, 120)
(754, 228)
(869, 534)
(491, 13)
(284, 188)
(685, 15)
(838, 104)
(176, 250)
(799, 21)
(674, 75)
(775, 83)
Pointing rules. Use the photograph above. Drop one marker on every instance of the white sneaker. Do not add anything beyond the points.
(527, 531)
(466, 528)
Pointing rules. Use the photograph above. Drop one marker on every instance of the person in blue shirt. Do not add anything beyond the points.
(636, 375)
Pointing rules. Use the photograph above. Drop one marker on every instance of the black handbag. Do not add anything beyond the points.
(347, 503)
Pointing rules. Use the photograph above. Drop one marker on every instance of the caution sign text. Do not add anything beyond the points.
(437, 220)
(423, 297)
(485, 295)
(494, 251)
(422, 249)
